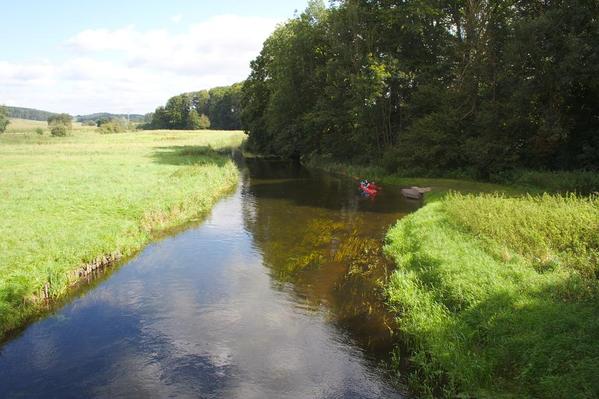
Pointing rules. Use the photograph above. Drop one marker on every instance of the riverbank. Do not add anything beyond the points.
(69, 204)
(496, 289)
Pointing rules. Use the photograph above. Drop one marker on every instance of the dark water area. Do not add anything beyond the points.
(275, 295)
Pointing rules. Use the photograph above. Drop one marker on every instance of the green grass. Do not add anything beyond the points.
(67, 201)
(25, 127)
(499, 297)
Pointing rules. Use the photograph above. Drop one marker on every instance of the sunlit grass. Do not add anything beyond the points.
(67, 201)
(499, 296)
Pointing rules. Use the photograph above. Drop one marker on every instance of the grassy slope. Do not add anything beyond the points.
(499, 296)
(66, 201)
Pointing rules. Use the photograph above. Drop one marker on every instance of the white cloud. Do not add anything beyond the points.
(176, 18)
(132, 70)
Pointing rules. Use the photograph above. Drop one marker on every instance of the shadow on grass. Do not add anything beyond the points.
(536, 341)
(192, 155)
(543, 342)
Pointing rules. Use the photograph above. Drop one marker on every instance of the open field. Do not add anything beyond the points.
(25, 126)
(498, 296)
(67, 201)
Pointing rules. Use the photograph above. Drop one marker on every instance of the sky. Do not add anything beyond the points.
(128, 56)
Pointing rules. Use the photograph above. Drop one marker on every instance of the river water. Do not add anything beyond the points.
(274, 295)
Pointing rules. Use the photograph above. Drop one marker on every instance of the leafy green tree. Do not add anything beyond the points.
(65, 120)
(4, 121)
(160, 119)
(203, 122)
(474, 87)
(193, 120)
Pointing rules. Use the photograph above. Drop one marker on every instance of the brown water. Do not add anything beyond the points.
(275, 295)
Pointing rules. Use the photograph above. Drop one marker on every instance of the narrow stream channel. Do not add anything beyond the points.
(274, 295)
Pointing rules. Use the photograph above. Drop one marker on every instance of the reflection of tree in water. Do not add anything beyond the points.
(327, 255)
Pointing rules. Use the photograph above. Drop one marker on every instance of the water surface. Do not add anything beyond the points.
(274, 295)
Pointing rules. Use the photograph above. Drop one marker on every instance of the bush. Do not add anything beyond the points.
(39, 131)
(4, 122)
(204, 122)
(59, 131)
(111, 126)
(65, 120)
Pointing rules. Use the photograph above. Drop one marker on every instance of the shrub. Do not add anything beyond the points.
(4, 122)
(59, 131)
(65, 120)
(110, 126)
(39, 131)
(204, 122)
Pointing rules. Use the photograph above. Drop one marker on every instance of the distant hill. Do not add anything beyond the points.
(106, 115)
(28, 113)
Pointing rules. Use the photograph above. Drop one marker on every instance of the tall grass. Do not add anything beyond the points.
(499, 296)
(67, 201)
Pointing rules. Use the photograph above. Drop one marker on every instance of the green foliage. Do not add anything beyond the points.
(440, 86)
(59, 130)
(581, 182)
(61, 120)
(498, 296)
(218, 108)
(39, 131)
(203, 122)
(193, 120)
(108, 194)
(4, 122)
(115, 125)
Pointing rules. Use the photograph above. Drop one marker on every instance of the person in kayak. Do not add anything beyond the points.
(368, 188)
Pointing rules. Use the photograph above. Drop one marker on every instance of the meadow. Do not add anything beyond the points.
(72, 201)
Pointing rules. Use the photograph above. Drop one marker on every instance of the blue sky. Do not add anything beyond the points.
(128, 56)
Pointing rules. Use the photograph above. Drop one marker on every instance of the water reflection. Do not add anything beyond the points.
(271, 297)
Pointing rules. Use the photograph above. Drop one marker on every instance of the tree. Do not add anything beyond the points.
(204, 122)
(65, 120)
(4, 121)
(474, 86)
(193, 120)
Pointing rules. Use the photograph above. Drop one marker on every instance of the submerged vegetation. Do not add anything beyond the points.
(498, 296)
(69, 201)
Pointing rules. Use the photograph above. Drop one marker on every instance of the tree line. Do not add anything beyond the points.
(430, 86)
(217, 108)
(28, 113)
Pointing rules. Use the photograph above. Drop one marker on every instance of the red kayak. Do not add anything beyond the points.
(369, 190)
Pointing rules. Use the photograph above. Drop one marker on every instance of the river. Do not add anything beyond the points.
(275, 294)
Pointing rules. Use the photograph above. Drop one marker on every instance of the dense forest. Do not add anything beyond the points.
(28, 113)
(217, 108)
(430, 86)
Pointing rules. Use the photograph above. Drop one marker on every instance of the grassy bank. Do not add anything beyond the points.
(499, 296)
(496, 289)
(68, 201)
